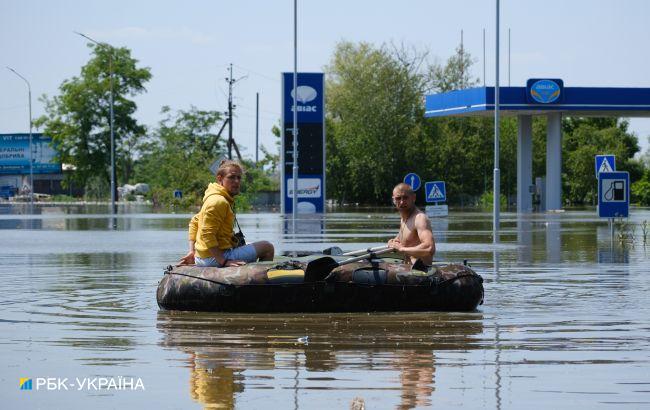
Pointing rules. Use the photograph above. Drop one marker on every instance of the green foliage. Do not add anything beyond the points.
(641, 190)
(78, 118)
(375, 119)
(97, 188)
(376, 133)
(454, 75)
(583, 139)
(256, 179)
(179, 153)
(625, 231)
(63, 198)
(486, 201)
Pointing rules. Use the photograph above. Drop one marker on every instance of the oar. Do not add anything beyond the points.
(363, 251)
(318, 269)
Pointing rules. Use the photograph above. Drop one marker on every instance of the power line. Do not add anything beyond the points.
(277, 80)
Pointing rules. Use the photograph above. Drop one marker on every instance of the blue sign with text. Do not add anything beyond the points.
(605, 163)
(544, 91)
(413, 180)
(613, 194)
(15, 155)
(435, 191)
(310, 98)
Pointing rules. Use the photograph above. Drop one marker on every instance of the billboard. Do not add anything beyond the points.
(14, 154)
(310, 101)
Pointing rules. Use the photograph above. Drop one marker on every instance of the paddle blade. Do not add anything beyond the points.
(318, 269)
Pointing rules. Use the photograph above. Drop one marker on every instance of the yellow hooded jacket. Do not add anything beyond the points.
(212, 226)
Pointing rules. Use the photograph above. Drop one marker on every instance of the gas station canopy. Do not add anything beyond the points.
(576, 101)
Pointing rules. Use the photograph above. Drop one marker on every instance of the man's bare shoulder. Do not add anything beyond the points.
(422, 221)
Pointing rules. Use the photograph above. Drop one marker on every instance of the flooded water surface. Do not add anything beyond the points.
(565, 323)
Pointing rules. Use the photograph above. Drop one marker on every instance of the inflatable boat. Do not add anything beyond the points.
(322, 283)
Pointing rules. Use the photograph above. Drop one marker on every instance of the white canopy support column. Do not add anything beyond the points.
(554, 162)
(524, 163)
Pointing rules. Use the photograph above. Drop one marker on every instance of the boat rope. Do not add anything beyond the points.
(169, 272)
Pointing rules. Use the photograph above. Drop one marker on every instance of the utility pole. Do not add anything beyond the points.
(462, 62)
(231, 141)
(508, 57)
(483, 57)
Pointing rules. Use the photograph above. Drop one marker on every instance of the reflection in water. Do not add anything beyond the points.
(565, 321)
(226, 354)
(212, 384)
(553, 239)
(417, 370)
(524, 238)
(609, 249)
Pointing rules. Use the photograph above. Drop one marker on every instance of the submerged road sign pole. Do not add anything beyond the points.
(613, 197)
(497, 187)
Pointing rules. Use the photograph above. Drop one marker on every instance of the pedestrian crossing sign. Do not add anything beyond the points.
(605, 163)
(435, 191)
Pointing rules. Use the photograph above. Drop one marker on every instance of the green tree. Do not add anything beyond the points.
(179, 153)
(78, 118)
(454, 75)
(374, 118)
(582, 140)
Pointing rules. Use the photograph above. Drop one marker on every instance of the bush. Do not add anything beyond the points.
(486, 201)
(641, 191)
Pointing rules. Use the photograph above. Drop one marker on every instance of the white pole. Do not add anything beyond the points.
(508, 57)
(257, 128)
(294, 203)
(483, 57)
(31, 150)
(497, 187)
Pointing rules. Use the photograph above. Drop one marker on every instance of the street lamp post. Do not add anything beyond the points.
(294, 203)
(497, 183)
(111, 120)
(31, 151)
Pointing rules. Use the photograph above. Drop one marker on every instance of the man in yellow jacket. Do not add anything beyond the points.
(211, 237)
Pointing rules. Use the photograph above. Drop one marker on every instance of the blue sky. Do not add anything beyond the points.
(189, 44)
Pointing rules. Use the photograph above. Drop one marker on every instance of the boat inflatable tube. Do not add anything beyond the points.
(268, 287)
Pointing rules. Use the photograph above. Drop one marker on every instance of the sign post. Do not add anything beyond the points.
(413, 180)
(436, 192)
(605, 163)
(613, 196)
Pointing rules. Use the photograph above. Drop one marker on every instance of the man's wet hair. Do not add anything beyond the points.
(226, 164)
(404, 187)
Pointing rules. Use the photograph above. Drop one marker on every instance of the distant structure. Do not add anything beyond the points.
(14, 165)
(541, 97)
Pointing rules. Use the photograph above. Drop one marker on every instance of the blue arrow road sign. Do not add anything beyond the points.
(435, 191)
(605, 163)
(613, 194)
(413, 180)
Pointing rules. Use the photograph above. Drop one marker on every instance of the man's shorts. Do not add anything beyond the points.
(244, 253)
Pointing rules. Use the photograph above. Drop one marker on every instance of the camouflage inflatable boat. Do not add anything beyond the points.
(321, 285)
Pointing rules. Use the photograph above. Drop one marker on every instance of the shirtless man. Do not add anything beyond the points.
(415, 238)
